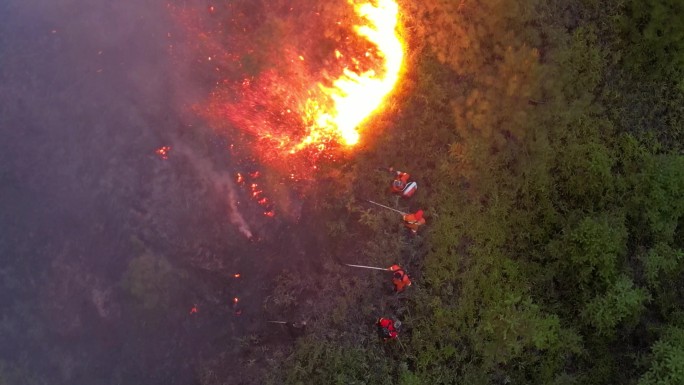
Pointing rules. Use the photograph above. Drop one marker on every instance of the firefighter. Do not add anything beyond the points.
(400, 279)
(401, 185)
(414, 221)
(400, 180)
(387, 329)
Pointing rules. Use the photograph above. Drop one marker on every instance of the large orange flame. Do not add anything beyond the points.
(291, 103)
(355, 96)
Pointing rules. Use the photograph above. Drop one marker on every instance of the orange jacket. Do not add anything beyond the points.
(386, 329)
(400, 279)
(414, 221)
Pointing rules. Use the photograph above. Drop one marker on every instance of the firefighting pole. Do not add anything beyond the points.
(368, 267)
(386, 207)
(402, 345)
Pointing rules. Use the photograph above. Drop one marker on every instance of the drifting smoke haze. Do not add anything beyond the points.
(105, 246)
(222, 182)
(135, 205)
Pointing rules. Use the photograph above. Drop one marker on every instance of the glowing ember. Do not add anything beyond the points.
(235, 300)
(247, 181)
(236, 275)
(194, 310)
(163, 152)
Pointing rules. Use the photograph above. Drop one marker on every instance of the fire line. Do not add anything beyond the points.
(355, 96)
(290, 109)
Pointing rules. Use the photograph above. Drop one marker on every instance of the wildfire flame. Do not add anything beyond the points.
(294, 106)
(355, 96)
(297, 82)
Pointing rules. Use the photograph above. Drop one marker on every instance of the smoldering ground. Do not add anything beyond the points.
(105, 247)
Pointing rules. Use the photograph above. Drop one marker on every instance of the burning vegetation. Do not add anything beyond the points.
(255, 191)
(299, 80)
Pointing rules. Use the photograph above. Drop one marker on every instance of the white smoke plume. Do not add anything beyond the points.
(222, 182)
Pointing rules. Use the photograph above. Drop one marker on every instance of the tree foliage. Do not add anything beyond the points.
(667, 366)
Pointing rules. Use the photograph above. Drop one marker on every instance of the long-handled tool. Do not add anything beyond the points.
(402, 346)
(278, 322)
(386, 207)
(369, 267)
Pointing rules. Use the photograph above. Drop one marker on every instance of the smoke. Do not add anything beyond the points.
(235, 216)
(221, 182)
(87, 88)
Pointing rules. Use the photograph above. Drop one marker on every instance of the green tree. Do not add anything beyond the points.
(587, 254)
(660, 264)
(667, 359)
(621, 303)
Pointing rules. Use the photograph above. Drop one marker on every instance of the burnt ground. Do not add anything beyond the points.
(105, 247)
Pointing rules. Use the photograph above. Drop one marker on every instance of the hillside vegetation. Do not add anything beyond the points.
(546, 138)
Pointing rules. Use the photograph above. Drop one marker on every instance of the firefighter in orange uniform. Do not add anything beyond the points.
(414, 221)
(387, 329)
(400, 279)
(400, 180)
(401, 185)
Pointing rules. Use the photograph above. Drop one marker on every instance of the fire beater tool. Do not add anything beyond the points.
(386, 207)
(402, 346)
(368, 267)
